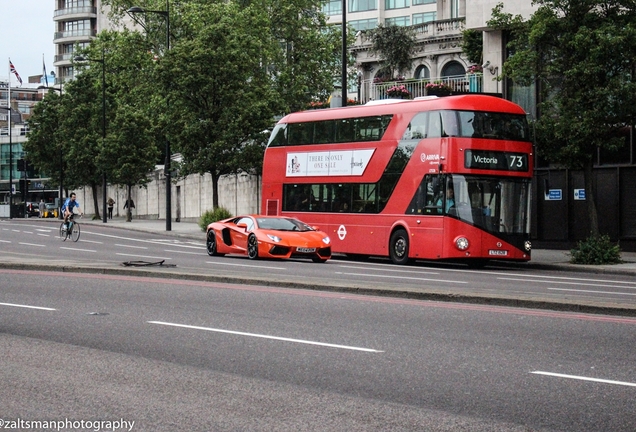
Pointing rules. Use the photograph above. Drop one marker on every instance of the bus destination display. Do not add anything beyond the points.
(494, 160)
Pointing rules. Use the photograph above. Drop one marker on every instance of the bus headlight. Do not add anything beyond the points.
(461, 243)
(527, 246)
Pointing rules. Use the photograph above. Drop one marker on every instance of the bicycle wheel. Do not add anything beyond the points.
(63, 234)
(75, 232)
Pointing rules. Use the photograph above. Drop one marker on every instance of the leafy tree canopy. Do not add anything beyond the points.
(395, 47)
(581, 54)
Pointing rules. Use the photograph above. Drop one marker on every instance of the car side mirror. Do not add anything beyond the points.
(242, 225)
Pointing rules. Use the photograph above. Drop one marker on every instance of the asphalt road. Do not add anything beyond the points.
(193, 355)
(105, 248)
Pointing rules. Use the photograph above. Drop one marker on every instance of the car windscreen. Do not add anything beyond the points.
(282, 224)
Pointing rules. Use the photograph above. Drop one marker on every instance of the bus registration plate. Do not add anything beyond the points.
(497, 252)
(306, 250)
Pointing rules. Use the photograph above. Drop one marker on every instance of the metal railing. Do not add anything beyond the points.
(74, 34)
(472, 83)
(83, 10)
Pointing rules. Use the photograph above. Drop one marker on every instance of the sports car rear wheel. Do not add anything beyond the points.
(211, 244)
(252, 247)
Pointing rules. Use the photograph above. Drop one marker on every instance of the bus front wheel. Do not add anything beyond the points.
(399, 247)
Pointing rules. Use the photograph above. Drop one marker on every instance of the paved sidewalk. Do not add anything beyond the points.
(541, 258)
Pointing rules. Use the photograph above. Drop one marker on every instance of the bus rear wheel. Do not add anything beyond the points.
(399, 247)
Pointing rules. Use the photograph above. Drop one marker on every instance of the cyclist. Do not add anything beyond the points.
(68, 206)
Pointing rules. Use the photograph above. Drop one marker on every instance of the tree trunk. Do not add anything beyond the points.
(128, 209)
(590, 197)
(95, 201)
(215, 191)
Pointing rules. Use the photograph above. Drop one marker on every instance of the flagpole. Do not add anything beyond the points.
(10, 147)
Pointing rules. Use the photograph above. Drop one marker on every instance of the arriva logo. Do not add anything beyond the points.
(433, 157)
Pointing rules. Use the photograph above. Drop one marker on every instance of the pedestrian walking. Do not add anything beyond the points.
(111, 204)
(41, 207)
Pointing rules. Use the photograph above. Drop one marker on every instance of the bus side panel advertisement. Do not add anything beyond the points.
(328, 163)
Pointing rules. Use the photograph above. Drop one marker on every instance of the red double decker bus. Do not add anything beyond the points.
(433, 178)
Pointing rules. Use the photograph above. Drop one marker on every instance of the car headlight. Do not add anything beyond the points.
(461, 243)
(527, 245)
(326, 240)
(273, 238)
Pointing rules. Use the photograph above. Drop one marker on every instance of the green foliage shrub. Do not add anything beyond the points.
(596, 250)
(212, 216)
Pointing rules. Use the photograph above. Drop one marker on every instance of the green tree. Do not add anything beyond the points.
(395, 47)
(80, 128)
(308, 58)
(45, 144)
(473, 45)
(582, 55)
(220, 91)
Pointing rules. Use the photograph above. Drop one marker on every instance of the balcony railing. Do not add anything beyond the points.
(458, 84)
(81, 10)
(74, 34)
(64, 57)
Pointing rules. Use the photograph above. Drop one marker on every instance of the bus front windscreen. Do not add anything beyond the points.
(497, 205)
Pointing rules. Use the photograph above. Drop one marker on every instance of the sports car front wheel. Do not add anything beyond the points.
(252, 247)
(211, 244)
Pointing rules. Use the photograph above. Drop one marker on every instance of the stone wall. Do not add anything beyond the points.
(191, 196)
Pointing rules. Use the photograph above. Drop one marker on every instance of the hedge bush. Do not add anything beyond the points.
(596, 250)
(210, 216)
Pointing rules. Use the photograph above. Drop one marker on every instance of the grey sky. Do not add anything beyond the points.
(26, 32)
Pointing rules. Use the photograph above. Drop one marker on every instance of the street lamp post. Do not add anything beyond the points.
(166, 13)
(344, 53)
(81, 59)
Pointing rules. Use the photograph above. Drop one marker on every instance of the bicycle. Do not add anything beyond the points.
(73, 230)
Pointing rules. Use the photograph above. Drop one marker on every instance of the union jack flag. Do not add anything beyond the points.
(13, 71)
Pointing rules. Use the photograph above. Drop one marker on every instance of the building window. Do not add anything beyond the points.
(332, 7)
(398, 21)
(454, 12)
(422, 72)
(366, 24)
(70, 4)
(423, 2)
(421, 18)
(395, 4)
(453, 68)
(362, 5)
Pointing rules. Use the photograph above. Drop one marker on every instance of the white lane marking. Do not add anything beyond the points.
(16, 230)
(5, 241)
(131, 246)
(265, 336)
(571, 283)
(154, 241)
(202, 252)
(27, 306)
(417, 271)
(28, 232)
(143, 256)
(585, 378)
(592, 292)
(91, 241)
(44, 235)
(400, 277)
(500, 273)
(78, 250)
(246, 265)
(31, 244)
